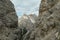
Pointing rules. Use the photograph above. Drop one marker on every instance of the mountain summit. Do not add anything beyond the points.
(27, 21)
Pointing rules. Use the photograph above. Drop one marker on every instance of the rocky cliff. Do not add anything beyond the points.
(50, 23)
(8, 15)
(47, 26)
(8, 20)
(49, 16)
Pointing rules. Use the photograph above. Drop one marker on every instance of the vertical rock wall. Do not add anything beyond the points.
(8, 21)
(8, 17)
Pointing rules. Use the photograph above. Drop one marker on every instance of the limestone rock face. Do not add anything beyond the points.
(8, 21)
(49, 20)
(47, 4)
(8, 17)
(47, 26)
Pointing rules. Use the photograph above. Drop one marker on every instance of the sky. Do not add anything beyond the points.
(26, 6)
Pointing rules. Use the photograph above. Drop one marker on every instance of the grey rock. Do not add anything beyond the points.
(7, 13)
(27, 21)
(8, 21)
(46, 27)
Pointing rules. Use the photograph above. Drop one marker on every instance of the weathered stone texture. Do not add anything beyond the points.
(7, 13)
(8, 21)
(50, 20)
(47, 27)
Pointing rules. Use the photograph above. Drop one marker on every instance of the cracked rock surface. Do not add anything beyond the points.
(47, 26)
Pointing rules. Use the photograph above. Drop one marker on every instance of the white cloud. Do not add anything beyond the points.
(26, 6)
